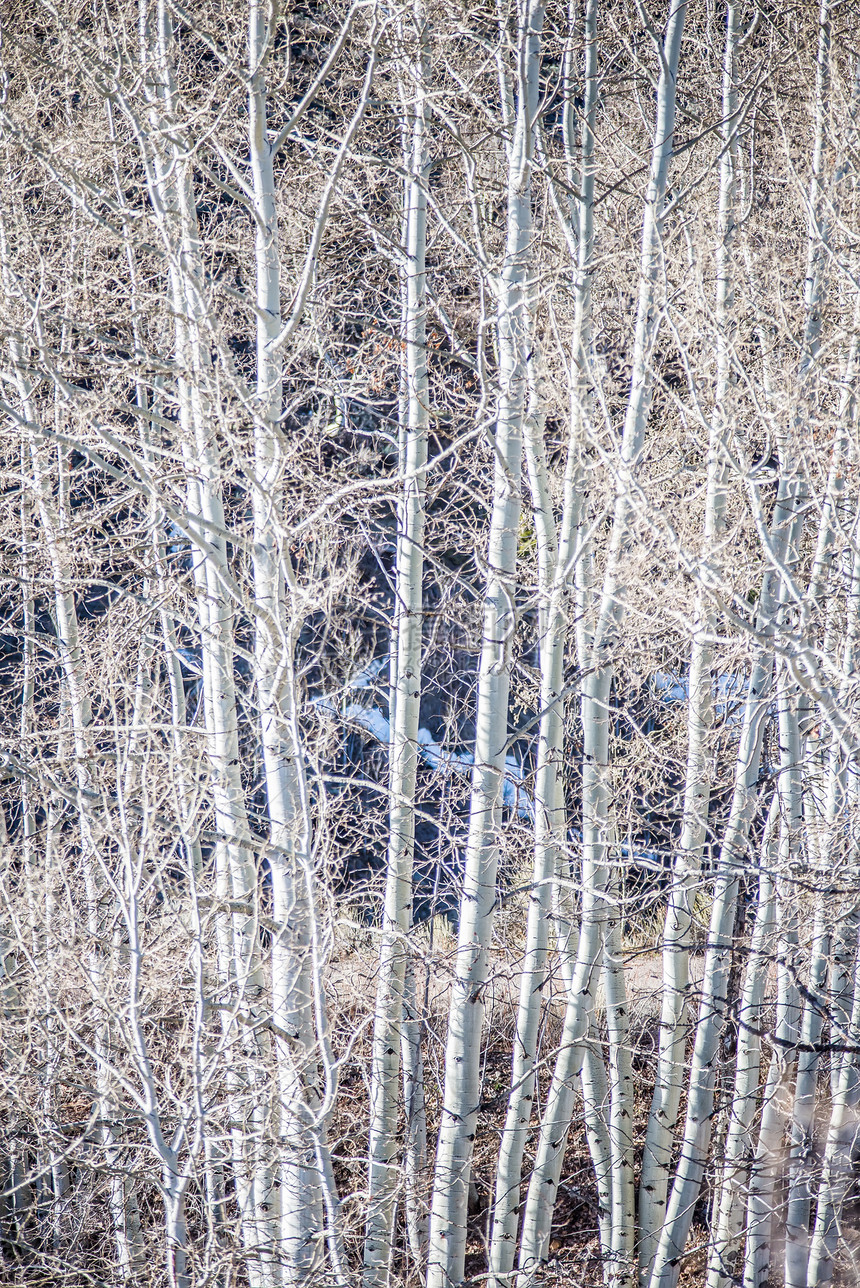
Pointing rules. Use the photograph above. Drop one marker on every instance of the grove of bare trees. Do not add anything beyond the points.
(430, 643)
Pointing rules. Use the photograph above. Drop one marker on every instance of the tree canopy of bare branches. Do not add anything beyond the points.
(430, 590)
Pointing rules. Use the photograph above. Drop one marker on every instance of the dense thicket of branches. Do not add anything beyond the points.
(430, 591)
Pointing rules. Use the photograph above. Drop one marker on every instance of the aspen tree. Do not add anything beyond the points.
(406, 687)
(172, 196)
(557, 554)
(462, 1059)
(559, 1106)
(671, 1071)
(299, 1192)
(642, 693)
(729, 1205)
(845, 1082)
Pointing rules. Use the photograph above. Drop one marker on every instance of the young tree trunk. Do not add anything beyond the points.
(785, 534)
(671, 1067)
(837, 1166)
(733, 1176)
(171, 193)
(595, 706)
(447, 1250)
(557, 557)
(415, 1114)
(297, 1201)
(406, 696)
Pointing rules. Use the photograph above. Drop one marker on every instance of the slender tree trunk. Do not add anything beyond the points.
(837, 1167)
(671, 1067)
(397, 913)
(595, 707)
(734, 1173)
(462, 1058)
(557, 556)
(297, 1199)
(171, 192)
(837, 1164)
(415, 1113)
(802, 1164)
(785, 534)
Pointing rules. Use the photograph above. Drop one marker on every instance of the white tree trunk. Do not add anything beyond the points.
(405, 696)
(671, 1068)
(171, 192)
(729, 1207)
(461, 1095)
(785, 534)
(558, 554)
(595, 788)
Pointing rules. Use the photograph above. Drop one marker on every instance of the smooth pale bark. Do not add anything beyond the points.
(557, 555)
(384, 1146)
(595, 711)
(621, 1108)
(802, 1165)
(763, 1177)
(837, 1164)
(671, 1066)
(461, 1095)
(571, 1063)
(549, 833)
(688, 1176)
(768, 1156)
(576, 555)
(277, 624)
(21, 1192)
(595, 787)
(768, 1160)
(169, 181)
(784, 538)
(305, 1183)
(775, 1095)
(729, 1205)
(415, 1114)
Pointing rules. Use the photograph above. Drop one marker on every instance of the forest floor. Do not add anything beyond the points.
(575, 1245)
(575, 1250)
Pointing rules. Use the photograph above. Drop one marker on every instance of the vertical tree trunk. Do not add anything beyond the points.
(406, 693)
(461, 1094)
(169, 179)
(837, 1168)
(297, 1200)
(415, 1114)
(729, 1204)
(785, 534)
(556, 560)
(837, 1164)
(595, 706)
(671, 1067)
